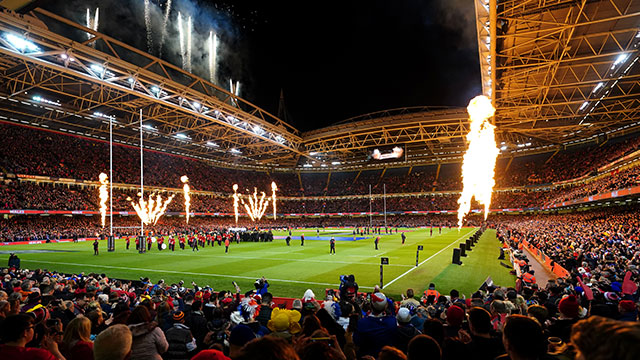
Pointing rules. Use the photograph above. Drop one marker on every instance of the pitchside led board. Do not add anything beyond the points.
(387, 153)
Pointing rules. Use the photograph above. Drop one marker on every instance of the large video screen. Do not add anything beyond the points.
(387, 153)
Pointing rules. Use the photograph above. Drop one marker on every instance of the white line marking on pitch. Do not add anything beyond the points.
(276, 259)
(183, 272)
(429, 258)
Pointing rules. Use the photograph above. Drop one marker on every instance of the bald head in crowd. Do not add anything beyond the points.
(114, 343)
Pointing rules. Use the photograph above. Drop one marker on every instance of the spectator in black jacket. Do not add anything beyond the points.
(181, 342)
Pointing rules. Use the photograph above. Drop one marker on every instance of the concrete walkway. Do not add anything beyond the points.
(541, 273)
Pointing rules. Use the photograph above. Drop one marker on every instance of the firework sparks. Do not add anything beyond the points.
(147, 24)
(92, 23)
(165, 21)
(478, 167)
(236, 200)
(274, 188)
(187, 196)
(151, 211)
(213, 55)
(104, 196)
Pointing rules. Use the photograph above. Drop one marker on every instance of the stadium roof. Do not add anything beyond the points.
(565, 73)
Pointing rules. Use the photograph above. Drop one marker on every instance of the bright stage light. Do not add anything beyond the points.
(21, 44)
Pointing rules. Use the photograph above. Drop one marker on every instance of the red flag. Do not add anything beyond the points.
(587, 290)
(628, 286)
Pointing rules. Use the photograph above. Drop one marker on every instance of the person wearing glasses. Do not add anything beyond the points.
(16, 332)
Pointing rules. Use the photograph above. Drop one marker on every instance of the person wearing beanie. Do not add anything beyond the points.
(455, 317)
(628, 310)
(376, 330)
(239, 336)
(569, 310)
(182, 344)
(405, 331)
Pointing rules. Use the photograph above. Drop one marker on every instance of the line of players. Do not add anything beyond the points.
(194, 241)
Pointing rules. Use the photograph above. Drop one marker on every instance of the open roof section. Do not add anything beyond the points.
(566, 74)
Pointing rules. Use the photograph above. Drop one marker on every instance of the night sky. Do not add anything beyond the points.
(332, 59)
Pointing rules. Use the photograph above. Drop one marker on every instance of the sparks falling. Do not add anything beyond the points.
(147, 25)
(165, 21)
(478, 167)
(187, 195)
(182, 47)
(150, 211)
(92, 23)
(213, 55)
(189, 27)
(104, 196)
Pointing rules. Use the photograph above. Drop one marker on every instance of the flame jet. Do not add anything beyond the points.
(478, 167)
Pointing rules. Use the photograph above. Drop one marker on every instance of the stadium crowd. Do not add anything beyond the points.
(49, 315)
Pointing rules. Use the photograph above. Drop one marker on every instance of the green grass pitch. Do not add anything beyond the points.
(293, 269)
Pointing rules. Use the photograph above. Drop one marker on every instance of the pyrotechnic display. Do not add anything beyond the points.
(150, 211)
(104, 196)
(255, 205)
(478, 166)
(92, 23)
(187, 195)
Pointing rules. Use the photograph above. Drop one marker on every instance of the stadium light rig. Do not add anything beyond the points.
(479, 162)
(21, 44)
(187, 194)
(104, 196)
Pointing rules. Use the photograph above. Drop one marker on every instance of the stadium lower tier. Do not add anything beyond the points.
(26, 194)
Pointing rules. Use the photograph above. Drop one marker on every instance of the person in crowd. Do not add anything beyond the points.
(16, 332)
(149, 342)
(598, 338)
(523, 339)
(76, 342)
(114, 343)
(375, 331)
(181, 342)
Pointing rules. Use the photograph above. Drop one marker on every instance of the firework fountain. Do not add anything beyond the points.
(151, 210)
(478, 167)
(189, 27)
(254, 206)
(274, 188)
(104, 196)
(182, 47)
(187, 194)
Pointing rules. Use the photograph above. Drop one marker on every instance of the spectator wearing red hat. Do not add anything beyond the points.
(628, 310)
(569, 311)
(455, 317)
(377, 330)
